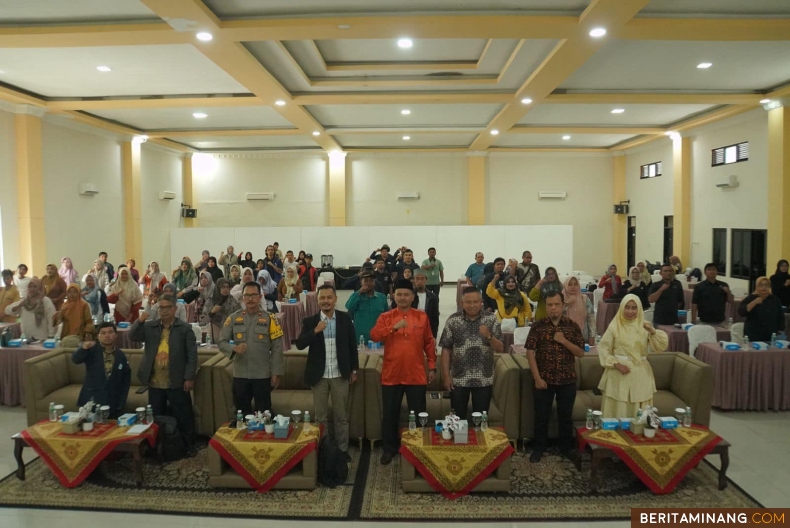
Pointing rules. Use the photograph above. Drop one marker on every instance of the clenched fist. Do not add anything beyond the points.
(320, 327)
(400, 324)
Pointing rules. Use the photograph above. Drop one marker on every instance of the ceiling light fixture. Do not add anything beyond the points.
(406, 138)
(495, 132)
(316, 133)
(405, 112)
(104, 68)
(526, 101)
(405, 43)
(762, 101)
(199, 115)
(204, 36)
(566, 137)
(598, 32)
(279, 102)
(704, 65)
(618, 110)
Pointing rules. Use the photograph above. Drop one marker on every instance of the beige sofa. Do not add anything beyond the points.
(680, 381)
(292, 393)
(504, 411)
(54, 377)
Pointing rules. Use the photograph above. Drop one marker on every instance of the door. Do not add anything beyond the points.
(631, 242)
(669, 232)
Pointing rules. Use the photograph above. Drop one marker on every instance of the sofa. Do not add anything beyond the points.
(504, 411)
(681, 381)
(292, 393)
(54, 377)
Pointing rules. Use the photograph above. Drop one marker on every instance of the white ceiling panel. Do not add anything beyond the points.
(712, 8)
(652, 65)
(366, 50)
(249, 142)
(136, 70)
(397, 141)
(390, 115)
(601, 115)
(181, 118)
(73, 11)
(227, 9)
(555, 140)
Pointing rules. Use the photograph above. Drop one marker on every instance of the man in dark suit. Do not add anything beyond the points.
(107, 371)
(426, 300)
(169, 365)
(332, 361)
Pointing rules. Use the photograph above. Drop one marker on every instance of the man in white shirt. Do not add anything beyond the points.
(425, 300)
(21, 280)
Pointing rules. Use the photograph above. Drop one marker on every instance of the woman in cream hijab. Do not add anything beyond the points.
(628, 383)
(290, 286)
(247, 275)
(127, 297)
(643, 273)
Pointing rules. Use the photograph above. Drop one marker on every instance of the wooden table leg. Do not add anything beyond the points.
(138, 464)
(594, 463)
(19, 445)
(725, 463)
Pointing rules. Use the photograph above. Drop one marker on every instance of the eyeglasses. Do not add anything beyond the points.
(251, 295)
(166, 307)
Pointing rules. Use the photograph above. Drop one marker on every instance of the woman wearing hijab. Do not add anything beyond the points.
(126, 296)
(259, 265)
(780, 282)
(35, 312)
(67, 271)
(214, 270)
(579, 308)
(235, 275)
(54, 286)
(247, 275)
(611, 282)
(763, 312)
(131, 263)
(627, 382)
(99, 272)
(95, 297)
(269, 291)
(76, 318)
(290, 286)
(247, 261)
(636, 286)
(511, 302)
(154, 280)
(549, 283)
(219, 307)
(647, 279)
(184, 278)
(205, 292)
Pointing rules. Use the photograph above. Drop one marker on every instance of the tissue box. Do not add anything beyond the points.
(71, 427)
(49, 343)
(682, 312)
(281, 431)
(586, 347)
(123, 324)
(293, 301)
(625, 423)
(610, 424)
(126, 420)
(668, 422)
(14, 343)
(783, 344)
(461, 436)
(759, 345)
(686, 326)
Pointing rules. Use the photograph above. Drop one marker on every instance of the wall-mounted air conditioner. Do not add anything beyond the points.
(88, 189)
(729, 182)
(260, 196)
(167, 195)
(553, 195)
(409, 195)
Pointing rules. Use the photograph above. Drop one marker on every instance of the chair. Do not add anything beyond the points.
(736, 333)
(520, 335)
(327, 276)
(700, 334)
(597, 297)
(648, 314)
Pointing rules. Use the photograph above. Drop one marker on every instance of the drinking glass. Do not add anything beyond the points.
(477, 418)
(105, 412)
(296, 416)
(597, 415)
(423, 419)
(140, 414)
(679, 414)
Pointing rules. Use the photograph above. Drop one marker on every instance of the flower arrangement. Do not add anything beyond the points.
(264, 417)
(452, 422)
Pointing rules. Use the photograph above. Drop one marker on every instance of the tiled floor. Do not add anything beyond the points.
(759, 463)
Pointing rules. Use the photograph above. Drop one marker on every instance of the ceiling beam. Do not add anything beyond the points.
(88, 35)
(16, 97)
(549, 149)
(353, 98)
(161, 102)
(401, 66)
(708, 29)
(123, 130)
(585, 130)
(411, 150)
(336, 131)
(224, 132)
(652, 98)
(363, 82)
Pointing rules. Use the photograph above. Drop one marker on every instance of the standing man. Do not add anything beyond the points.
(383, 278)
(256, 351)
(107, 266)
(475, 270)
(332, 361)
(9, 294)
(21, 280)
(407, 338)
(469, 340)
(366, 305)
(290, 260)
(553, 345)
(710, 299)
(384, 254)
(435, 270)
(308, 273)
(168, 366)
(667, 297)
(407, 262)
(425, 300)
(527, 273)
(107, 371)
(228, 260)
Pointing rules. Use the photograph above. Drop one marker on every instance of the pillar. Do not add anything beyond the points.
(132, 204)
(187, 189)
(30, 192)
(681, 174)
(778, 185)
(337, 188)
(477, 188)
(619, 222)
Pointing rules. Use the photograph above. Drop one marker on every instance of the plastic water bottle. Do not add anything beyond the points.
(239, 420)
(361, 346)
(208, 340)
(412, 421)
(149, 415)
(589, 424)
(53, 414)
(306, 417)
(484, 422)
(687, 418)
(773, 340)
(746, 342)
(57, 342)
(24, 340)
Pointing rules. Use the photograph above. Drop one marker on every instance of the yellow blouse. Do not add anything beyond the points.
(521, 315)
(630, 348)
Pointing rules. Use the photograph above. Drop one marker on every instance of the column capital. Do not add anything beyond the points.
(37, 111)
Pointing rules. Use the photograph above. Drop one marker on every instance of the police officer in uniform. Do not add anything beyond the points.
(256, 351)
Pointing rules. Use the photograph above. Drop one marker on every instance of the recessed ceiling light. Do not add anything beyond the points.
(103, 68)
(495, 132)
(279, 102)
(566, 137)
(762, 101)
(526, 101)
(344, 26)
(204, 36)
(598, 32)
(704, 65)
(199, 115)
(405, 43)
(316, 133)
(406, 138)
(618, 110)
(405, 111)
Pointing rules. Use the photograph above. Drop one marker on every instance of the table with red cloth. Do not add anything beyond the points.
(679, 338)
(259, 458)
(748, 380)
(606, 313)
(14, 330)
(660, 462)
(12, 390)
(455, 470)
(286, 339)
(72, 457)
(292, 317)
(507, 340)
(125, 340)
(311, 304)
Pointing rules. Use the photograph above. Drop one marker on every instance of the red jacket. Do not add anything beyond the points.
(308, 277)
(404, 362)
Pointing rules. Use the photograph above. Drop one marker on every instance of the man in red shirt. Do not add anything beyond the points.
(406, 334)
(308, 273)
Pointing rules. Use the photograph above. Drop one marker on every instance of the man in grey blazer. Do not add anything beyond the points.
(169, 365)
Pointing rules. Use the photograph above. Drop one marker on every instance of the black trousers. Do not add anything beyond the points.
(481, 400)
(435, 288)
(392, 396)
(245, 390)
(180, 408)
(566, 396)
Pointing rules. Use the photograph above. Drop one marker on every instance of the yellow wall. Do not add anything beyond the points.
(30, 192)
(132, 211)
(681, 174)
(619, 222)
(477, 190)
(778, 186)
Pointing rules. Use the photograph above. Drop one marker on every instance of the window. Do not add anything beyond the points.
(651, 170)
(730, 154)
(720, 250)
(748, 254)
(669, 237)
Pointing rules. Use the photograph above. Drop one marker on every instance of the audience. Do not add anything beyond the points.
(382, 277)
(674, 261)
(259, 265)
(126, 296)
(76, 318)
(667, 297)
(710, 299)
(289, 260)
(218, 307)
(290, 286)
(107, 266)
(235, 275)
(100, 274)
(469, 339)
(273, 264)
(579, 309)
(226, 260)
(131, 263)
(247, 261)
(435, 270)
(384, 254)
(780, 282)
(54, 286)
(9, 294)
(214, 270)
(300, 259)
(627, 382)
(763, 312)
(95, 297)
(203, 262)
(548, 284)
(269, 291)
(205, 291)
(425, 300)
(184, 278)
(154, 280)
(635, 285)
(499, 267)
(509, 301)
(35, 312)
(366, 305)
(247, 275)
(107, 372)
(277, 251)
(611, 282)
(527, 273)
(307, 272)
(475, 270)
(67, 271)
(153, 304)
(408, 275)
(21, 280)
